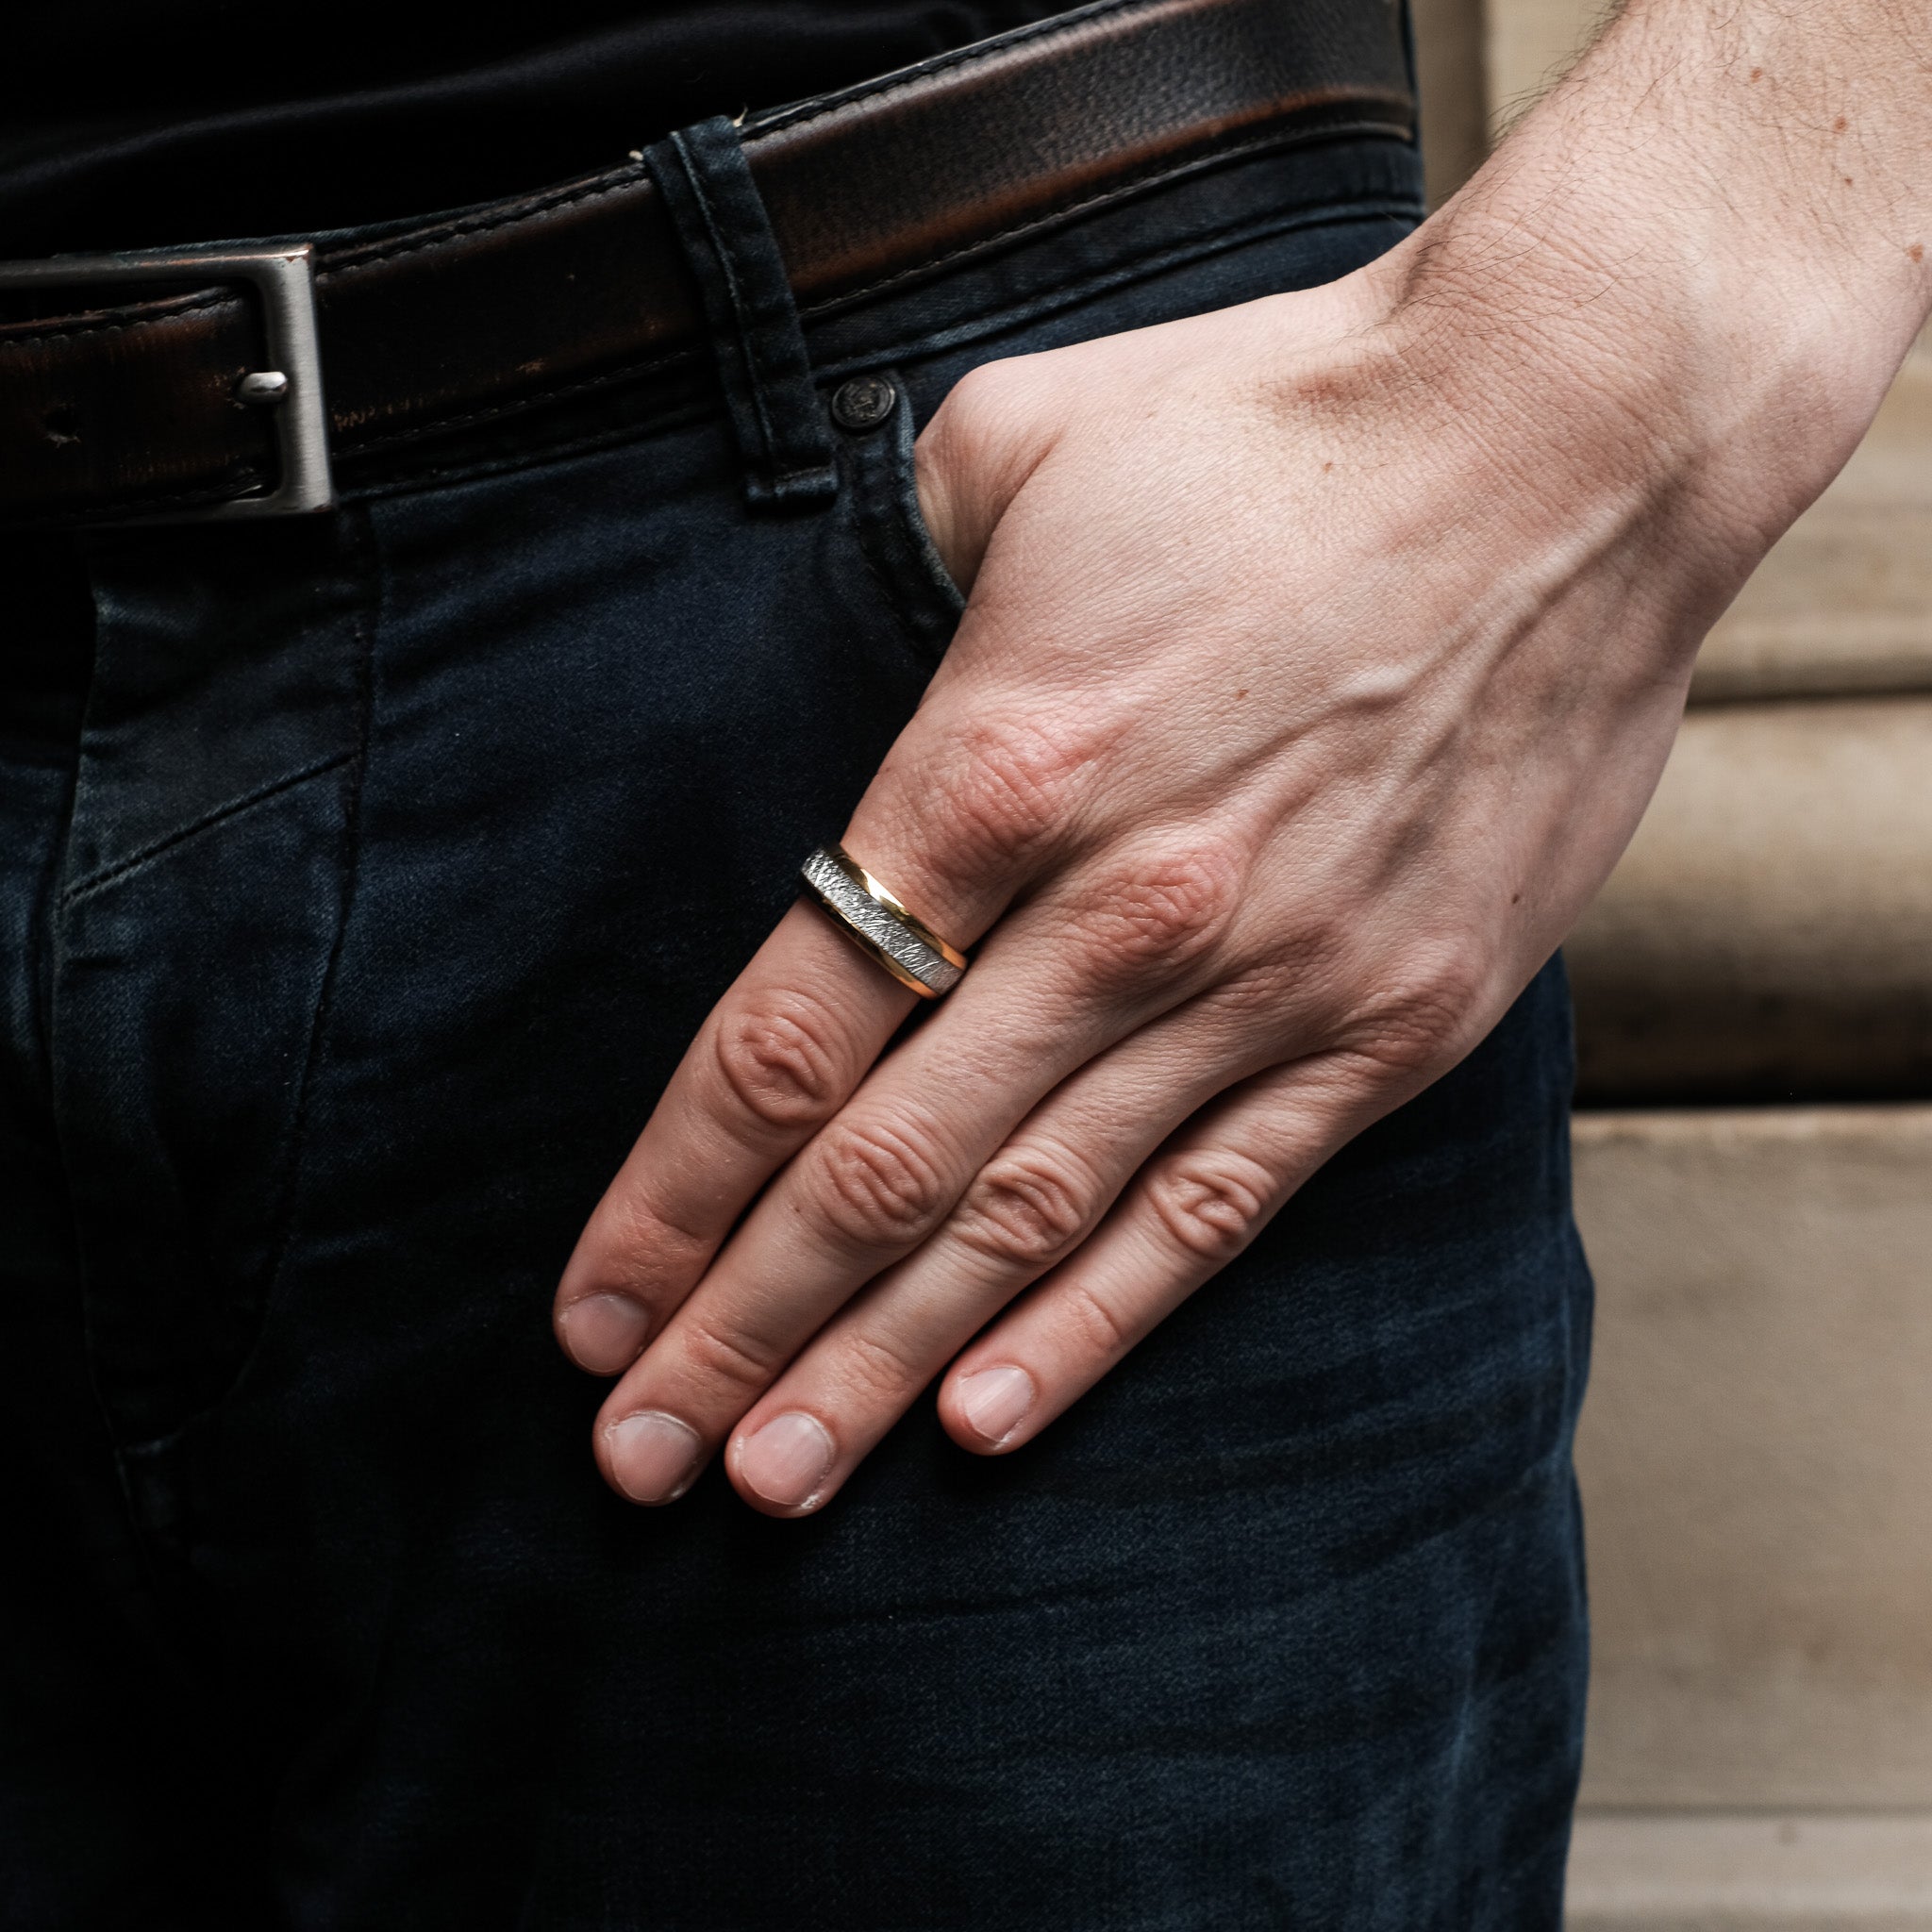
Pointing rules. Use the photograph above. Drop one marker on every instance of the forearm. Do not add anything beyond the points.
(1718, 221)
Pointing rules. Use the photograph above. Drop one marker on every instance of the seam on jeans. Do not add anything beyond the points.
(728, 268)
(501, 463)
(1125, 275)
(1128, 185)
(1122, 274)
(1153, 177)
(120, 870)
(42, 943)
(349, 872)
(516, 405)
(83, 1278)
(44, 939)
(1315, 215)
(879, 514)
(865, 514)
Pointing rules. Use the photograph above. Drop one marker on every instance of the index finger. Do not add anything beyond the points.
(776, 1059)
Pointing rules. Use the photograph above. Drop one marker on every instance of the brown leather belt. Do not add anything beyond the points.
(205, 394)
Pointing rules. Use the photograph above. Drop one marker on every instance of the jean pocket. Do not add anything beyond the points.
(873, 415)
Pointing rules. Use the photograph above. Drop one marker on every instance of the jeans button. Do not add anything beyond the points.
(864, 402)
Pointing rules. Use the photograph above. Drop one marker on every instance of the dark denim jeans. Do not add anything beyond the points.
(362, 878)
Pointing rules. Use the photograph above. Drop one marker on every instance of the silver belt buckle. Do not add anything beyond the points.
(289, 387)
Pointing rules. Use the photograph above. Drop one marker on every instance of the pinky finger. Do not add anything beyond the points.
(1192, 1209)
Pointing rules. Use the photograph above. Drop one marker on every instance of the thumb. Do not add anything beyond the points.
(972, 459)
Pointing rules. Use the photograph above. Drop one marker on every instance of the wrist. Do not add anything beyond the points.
(1713, 228)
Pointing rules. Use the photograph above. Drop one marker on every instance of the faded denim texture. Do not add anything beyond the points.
(362, 879)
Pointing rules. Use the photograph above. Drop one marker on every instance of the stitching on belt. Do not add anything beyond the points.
(63, 332)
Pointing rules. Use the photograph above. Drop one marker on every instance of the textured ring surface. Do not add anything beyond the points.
(869, 914)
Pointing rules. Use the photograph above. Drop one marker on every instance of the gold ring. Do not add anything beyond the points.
(873, 919)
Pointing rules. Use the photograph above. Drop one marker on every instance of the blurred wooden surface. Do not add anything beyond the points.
(1767, 936)
(1824, 1872)
(1844, 602)
(1755, 1456)
(1449, 72)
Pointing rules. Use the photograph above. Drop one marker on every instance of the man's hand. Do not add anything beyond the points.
(1320, 657)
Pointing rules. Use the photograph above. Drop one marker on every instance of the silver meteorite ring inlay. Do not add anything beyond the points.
(870, 915)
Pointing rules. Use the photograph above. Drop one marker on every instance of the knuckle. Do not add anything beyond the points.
(1101, 1327)
(641, 1254)
(980, 411)
(878, 1188)
(1006, 789)
(1156, 920)
(1211, 1203)
(1422, 1017)
(1027, 1208)
(878, 1371)
(777, 1059)
(716, 1355)
(1258, 995)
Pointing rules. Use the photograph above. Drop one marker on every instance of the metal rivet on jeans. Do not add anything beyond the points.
(863, 403)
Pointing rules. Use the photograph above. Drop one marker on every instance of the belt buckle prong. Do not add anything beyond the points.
(284, 278)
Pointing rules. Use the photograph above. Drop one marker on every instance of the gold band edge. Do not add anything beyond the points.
(870, 947)
(876, 888)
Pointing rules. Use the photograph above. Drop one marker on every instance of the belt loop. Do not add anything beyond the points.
(777, 413)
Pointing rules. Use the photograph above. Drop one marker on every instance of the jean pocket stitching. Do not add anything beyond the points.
(893, 538)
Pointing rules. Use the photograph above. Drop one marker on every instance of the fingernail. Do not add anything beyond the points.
(654, 1457)
(788, 1460)
(604, 1332)
(994, 1401)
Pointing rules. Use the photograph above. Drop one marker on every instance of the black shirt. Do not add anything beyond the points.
(131, 124)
